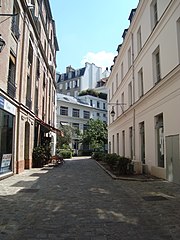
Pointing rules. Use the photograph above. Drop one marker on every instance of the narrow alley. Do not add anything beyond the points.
(78, 200)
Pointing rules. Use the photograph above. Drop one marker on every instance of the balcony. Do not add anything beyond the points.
(11, 89)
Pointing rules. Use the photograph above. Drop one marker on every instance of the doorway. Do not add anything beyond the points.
(172, 159)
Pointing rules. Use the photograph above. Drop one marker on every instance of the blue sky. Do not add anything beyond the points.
(89, 31)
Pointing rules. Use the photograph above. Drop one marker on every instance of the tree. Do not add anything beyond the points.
(67, 138)
(96, 134)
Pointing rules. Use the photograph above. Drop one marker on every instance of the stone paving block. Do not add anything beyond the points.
(80, 201)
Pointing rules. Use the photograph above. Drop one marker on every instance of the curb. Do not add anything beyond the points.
(126, 178)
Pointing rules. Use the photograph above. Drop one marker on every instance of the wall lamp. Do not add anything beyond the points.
(112, 112)
(2, 41)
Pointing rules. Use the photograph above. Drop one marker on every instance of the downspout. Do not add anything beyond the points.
(133, 86)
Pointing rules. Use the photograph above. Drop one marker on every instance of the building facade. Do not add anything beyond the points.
(76, 112)
(144, 90)
(75, 80)
(27, 82)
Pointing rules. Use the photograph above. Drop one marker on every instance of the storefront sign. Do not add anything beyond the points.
(6, 160)
(7, 106)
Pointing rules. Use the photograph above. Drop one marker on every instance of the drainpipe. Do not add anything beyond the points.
(133, 86)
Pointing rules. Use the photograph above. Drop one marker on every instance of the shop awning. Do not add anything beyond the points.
(47, 128)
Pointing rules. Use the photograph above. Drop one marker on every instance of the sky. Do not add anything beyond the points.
(89, 31)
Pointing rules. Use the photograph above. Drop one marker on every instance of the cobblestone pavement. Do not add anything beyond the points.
(78, 200)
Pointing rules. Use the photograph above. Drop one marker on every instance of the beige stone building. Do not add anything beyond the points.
(27, 81)
(144, 90)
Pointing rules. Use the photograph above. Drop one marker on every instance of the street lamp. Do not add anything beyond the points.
(2, 43)
(112, 112)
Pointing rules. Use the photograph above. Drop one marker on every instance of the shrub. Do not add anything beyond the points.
(38, 156)
(98, 156)
(65, 153)
(123, 165)
(111, 159)
(85, 152)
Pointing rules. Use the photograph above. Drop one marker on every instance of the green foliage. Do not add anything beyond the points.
(96, 134)
(92, 92)
(98, 156)
(85, 152)
(121, 165)
(111, 160)
(66, 139)
(38, 156)
(65, 153)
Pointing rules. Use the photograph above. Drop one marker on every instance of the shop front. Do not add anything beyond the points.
(7, 116)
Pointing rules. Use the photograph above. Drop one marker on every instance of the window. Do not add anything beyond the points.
(130, 94)
(159, 128)
(75, 84)
(91, 102)
(98, 114)
(67, 85)
(64, 111)
(140, 83)
(104, 115)
(6, 144)
(142, 142)
(129, 58)
(123, 143)
(122, 101)
(113, 144)
(131, 142)
(76, 125)
(75, 93)
(15, 22)
(86, 114)
(60, 86)
(11, 90)
(37, 68)
(98, 104)
(117, 81)
(36, 101)
(117, 109)
(28, 92)
(117, 143)
(154, 13)
(85, 127)
(156, 65)
(75, 112)
(122, 71)
(112, 88)
(104, 106)
(139, 40)
(178, 37)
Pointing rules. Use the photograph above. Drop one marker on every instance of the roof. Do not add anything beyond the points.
(74, 74)
(70, 99)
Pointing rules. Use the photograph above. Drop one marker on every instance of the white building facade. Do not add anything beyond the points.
(75, 80)
(144, 90)
(76, 112)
